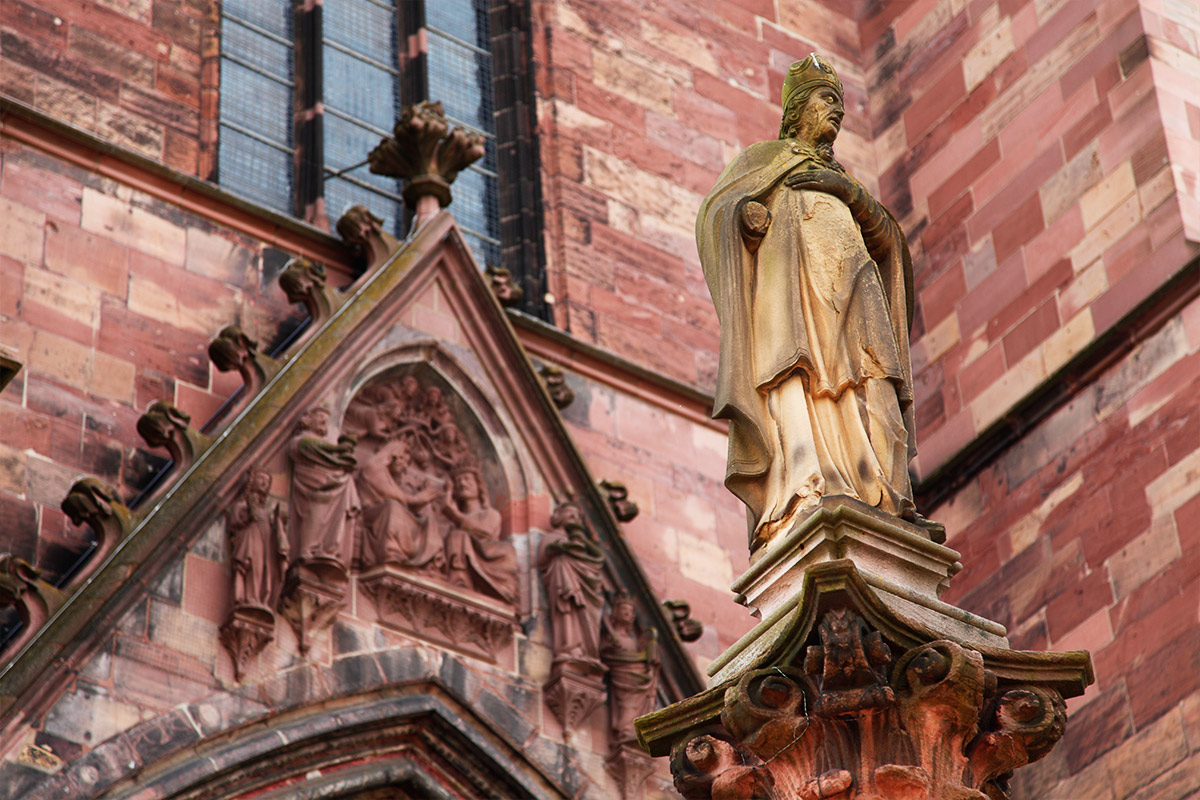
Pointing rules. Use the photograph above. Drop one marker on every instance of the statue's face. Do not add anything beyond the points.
(821, 118)
(400, 458)
(466, 486)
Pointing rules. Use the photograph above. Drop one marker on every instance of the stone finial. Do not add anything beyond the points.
(234, 350)
(623, 508)
(426, 152)
(506, 290)
(304, 281)
(364, 233)
(687, 628)
(164, 425)
(556, 385)
(95, 503)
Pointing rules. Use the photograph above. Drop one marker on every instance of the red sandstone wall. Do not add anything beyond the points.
(109, 297)
(128, 72)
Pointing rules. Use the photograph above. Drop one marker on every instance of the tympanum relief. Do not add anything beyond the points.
(433, 550)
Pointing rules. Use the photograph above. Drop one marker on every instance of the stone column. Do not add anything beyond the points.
(860, 683)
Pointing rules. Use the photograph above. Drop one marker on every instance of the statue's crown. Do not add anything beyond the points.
(806, 74)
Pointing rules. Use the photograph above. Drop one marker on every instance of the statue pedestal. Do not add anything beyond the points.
(860, 683)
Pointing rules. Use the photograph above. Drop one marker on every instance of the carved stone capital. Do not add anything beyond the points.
(233, 350)
(304, 281)
(164, 425)
(95, 503)
(248, 630)
(427, 153)
(863, 717)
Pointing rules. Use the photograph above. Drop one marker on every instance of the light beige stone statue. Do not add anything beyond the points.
(812, 282)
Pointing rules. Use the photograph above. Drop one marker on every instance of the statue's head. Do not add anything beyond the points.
(812, 102)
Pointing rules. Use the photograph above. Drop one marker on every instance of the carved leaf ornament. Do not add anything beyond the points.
(857, 724)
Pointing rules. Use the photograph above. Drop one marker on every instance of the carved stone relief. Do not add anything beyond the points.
(432, 549)
(572, 570)
(95, 503)
(22, 587)
(324, 512)
(858, 723)
(426, 505)
(687, 627)
(631, 656)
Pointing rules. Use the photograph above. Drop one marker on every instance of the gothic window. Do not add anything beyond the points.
(307, 90)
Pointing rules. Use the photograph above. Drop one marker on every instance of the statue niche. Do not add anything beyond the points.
(427, 507)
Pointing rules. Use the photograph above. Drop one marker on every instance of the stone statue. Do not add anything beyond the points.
(812, 282)
(476, 556)
(324, 502)
(399, 509)
(572, 567)
(632, 660)
(258, 542)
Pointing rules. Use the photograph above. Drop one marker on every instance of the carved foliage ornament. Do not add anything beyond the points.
(856, 723)
(425, 151)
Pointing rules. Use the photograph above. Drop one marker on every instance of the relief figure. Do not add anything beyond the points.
(476, 556)
(572, 568)
(399, 519)
(258, 542)
(324, 501)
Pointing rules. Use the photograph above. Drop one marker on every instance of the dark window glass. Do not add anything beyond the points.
(361, 96)
(255, 143)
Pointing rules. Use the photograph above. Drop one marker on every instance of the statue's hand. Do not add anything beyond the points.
(829, 181)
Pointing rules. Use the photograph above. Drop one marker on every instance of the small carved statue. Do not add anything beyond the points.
(503, 286)
(572, 567)
(476, 556)
(399, 509)
(632, 660)
(22, 586)
(258, 542)
(324, 502)
(95, 503)
(812, 282)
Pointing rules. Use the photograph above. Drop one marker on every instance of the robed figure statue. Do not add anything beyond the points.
(812, 282)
